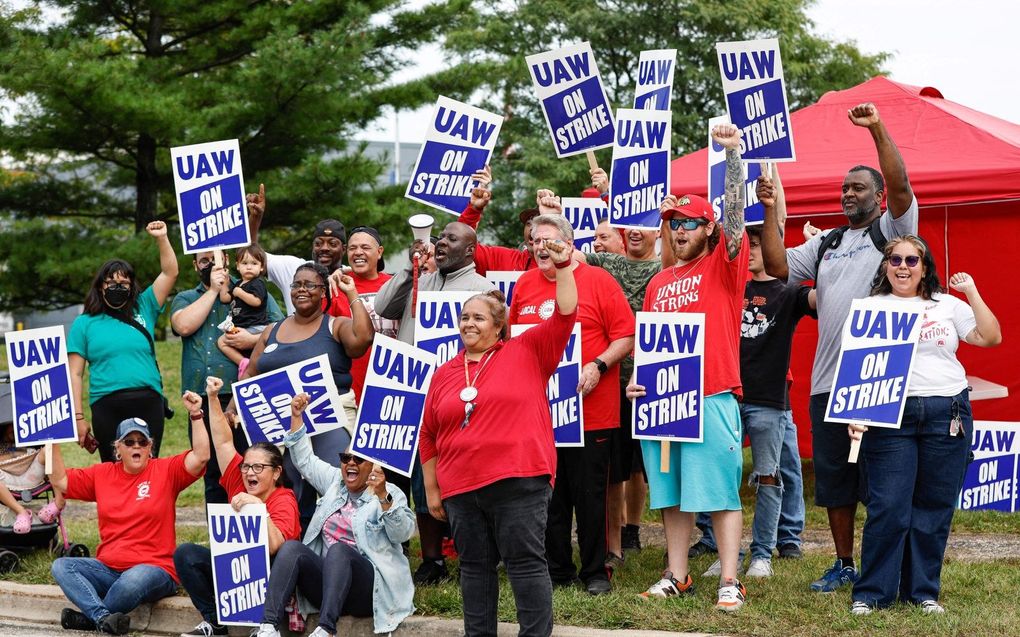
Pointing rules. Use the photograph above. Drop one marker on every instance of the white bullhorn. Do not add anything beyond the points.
(421, 226)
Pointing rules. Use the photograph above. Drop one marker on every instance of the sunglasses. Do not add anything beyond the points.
(256, 467)
(136, 442)
(896, 260)
(350, 457)
(687, 224)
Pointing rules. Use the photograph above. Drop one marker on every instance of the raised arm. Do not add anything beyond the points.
(256, 203)
(168, 269)
(897, 186)
(987, 332)
(773, 252)
(195, 461)
(356, 333)
(481, 195)
(666, 233)
(222, 437)
(566, 287)
(728, 136)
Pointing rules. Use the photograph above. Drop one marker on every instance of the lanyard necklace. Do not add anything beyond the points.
(469, 393)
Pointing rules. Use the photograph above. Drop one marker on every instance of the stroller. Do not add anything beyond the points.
(17, 462)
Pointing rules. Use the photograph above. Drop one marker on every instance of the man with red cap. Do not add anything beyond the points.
(709, 276)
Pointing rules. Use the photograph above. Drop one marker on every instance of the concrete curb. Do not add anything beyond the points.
(38, 603)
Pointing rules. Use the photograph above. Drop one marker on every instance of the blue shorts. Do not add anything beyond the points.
(703, 476)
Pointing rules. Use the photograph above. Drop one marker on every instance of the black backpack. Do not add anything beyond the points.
(832, 240)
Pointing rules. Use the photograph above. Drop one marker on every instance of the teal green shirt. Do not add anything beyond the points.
(119, 357)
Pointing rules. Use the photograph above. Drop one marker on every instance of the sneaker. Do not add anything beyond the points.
(431, 572)
(265, 630)
(114, 624)
(731, 597)
(598, 586)
(70, 619)
(716, 569)
(205, 629)
(699, 549)
(630, 537)
(614, 561)
(760, 567)
(931, 607)
(789, 552)
(837, 576)
(669, 586)
(319, 632)
(861, 608)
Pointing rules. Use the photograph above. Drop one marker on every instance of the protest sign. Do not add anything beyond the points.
(752, 79)
(669, 354)
(41, 399)
(458, 143)
(654, 90)
(263, 402)
(239, 544)
(574, 102)
(584, 213)
(639, 179)
(875, 359)
(210, 196)
(389, 416)
(754, 211)
(505, 281)
(566, 404)
(437, 323)
(991, 479)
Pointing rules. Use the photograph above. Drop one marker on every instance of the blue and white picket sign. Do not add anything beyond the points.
(752, 79)
(437, 323)
(754, 211)
(566, 404)
(458, 143)
(576, 108)
(389, 416)
(639, 179)
(654, 90)
(263, 402)
(239, 543)
(210, 196)
(991, 479)
(875, 359)
(505, 281)
(40, 387)
(669, 360)
(584, 213)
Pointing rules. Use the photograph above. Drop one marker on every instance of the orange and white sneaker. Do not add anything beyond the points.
(731, 597)
(669, 586)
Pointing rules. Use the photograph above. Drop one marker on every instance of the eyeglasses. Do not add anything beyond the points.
(350, 457)
(305, 285)
(136, 442)
(257, 467)
(204, 262)
(896, 260)
(113, 285)
(687, 224)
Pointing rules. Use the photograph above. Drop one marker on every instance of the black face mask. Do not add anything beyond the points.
(205, 274)
(116, 297)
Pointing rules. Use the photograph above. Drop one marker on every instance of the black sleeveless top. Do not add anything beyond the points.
(321, 342)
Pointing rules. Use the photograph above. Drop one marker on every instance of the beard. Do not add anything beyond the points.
(858, 215)
(694, 247)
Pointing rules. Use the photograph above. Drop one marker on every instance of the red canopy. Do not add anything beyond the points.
(964, 168)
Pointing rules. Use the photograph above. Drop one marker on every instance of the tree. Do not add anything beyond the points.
(103, 88)
(500, 35)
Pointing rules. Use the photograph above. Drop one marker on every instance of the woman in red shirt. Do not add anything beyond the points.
(488, 454)
(257, 478)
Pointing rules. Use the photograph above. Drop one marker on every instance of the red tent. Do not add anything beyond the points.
(964, 167)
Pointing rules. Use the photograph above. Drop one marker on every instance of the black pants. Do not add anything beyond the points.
(582, 474)
(111, 409)
(339, 584)
(214, 493)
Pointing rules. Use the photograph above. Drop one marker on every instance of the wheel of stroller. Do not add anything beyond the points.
(8, 561)
(77, 550)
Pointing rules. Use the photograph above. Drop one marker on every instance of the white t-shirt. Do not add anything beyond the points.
(280, 269)
(945, 321)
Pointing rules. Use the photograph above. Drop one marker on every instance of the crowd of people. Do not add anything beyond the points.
(487, 474)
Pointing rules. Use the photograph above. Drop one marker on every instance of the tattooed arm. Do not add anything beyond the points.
(728, 136)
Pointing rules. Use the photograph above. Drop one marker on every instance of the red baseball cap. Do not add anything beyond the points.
(693, 207)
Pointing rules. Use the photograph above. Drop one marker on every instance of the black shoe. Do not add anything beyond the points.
(630, 538)
(699, 549)
(598, 586)
(115, 624)
(790, 552)
(70, 619)
(430, 573)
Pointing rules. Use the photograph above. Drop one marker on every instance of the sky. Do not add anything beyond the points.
(966, 50)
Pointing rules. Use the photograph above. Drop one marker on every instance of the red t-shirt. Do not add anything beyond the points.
(367, 289)
(605, 316)
(281, 504)
(494, 257)
(714, 285)
(510, 433)
(137, 512)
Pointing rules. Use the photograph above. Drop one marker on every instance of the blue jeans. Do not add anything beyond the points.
(98, 590)
(504, 519)
(915, 474)
(791, 515)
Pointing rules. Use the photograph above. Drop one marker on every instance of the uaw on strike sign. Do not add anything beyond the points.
(239, 544)
(40, 386)
(210, 196)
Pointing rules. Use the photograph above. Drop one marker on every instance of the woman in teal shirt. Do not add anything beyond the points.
(115, 336)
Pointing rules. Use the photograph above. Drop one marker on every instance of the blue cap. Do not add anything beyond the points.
(128, 425)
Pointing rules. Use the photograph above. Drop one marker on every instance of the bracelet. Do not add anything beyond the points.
(565, 264)
(356, 300)
(79, 416)
(199, 415)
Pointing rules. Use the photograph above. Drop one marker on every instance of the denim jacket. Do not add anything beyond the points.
(378, 533)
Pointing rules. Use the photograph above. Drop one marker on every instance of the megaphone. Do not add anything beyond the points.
(421, 226)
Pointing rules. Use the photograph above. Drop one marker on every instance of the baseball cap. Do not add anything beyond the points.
(330, 228)
(128, 425)
(693, 207)
(591, 193)
(528, 214)
(372, 232)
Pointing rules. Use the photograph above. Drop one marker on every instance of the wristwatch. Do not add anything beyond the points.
(387, 500)
(603, 368)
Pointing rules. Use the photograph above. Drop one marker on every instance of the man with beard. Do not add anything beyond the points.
(195, 315)
(843, 270)
(455, 271)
